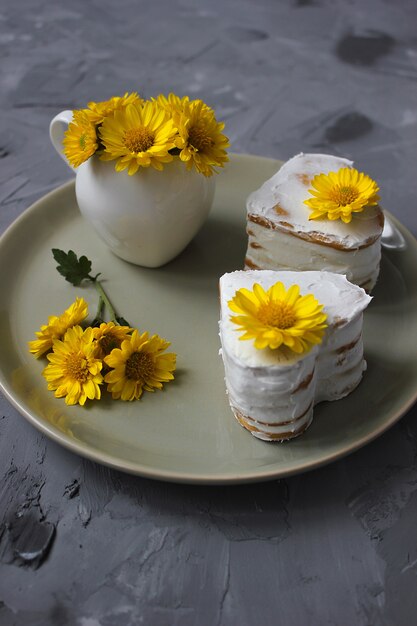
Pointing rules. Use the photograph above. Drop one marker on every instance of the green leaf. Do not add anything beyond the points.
(74, 270)
(121, 321)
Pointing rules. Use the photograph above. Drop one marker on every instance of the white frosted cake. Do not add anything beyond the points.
(272, 392)
(282, 234)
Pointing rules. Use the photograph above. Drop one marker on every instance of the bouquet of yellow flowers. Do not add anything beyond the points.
(83, 359)
(136, 133)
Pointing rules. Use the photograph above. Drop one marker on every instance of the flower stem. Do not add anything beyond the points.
(105, 299)
(99, 314)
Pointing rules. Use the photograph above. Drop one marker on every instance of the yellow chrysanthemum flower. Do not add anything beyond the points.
(339, 194)
(80, 140)
(172, 102)
(139, 365)
(57, 327)
(138, 136)
(278, 317)
(97, 111)
(201, 141)
(109, 336)
(73, 371)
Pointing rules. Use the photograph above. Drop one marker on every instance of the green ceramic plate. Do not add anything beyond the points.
(186, 432)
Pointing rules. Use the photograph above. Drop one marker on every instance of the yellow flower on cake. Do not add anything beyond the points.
(57, 327)
(97, 111)
(80, 140)
(337, 195)
(201, 142)
(138, 136)
(278, 317)
(73, 371)
(140, 364)
(109, 336)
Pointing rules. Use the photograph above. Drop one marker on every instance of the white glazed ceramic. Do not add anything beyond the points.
(147, 218)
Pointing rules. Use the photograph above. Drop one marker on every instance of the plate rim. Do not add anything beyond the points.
(186, 477)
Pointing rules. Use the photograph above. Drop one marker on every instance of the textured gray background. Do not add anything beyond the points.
(337, 546)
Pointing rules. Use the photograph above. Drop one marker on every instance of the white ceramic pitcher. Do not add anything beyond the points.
(147, 218)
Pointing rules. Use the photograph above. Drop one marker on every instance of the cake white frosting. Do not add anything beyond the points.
(272, 392)
(281, 235)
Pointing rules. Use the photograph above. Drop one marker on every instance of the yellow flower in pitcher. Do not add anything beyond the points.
(138, 136)
(278, 317)
(140, 364)
(57, 327)
(73, 372)
(109, 336)
(80, 140)
(339, 194)
(97, 111)
(201, 142)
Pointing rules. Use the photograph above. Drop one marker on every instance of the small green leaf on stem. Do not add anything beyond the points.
(121, 321)
(74, 270)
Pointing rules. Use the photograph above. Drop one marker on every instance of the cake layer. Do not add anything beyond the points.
(275, 249)
(281, 235)
(274, 391)
(275, 433)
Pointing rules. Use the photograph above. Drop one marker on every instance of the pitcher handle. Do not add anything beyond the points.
(57, 129)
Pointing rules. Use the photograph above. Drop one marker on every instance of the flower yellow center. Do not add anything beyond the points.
(277, 314)
(344, 195)
(138, 139)
(76, 367)
(139, 366)
(81, 141)
(198, 138)
(108, 342)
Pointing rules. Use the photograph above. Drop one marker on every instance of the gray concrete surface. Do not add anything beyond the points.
(334, 547)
